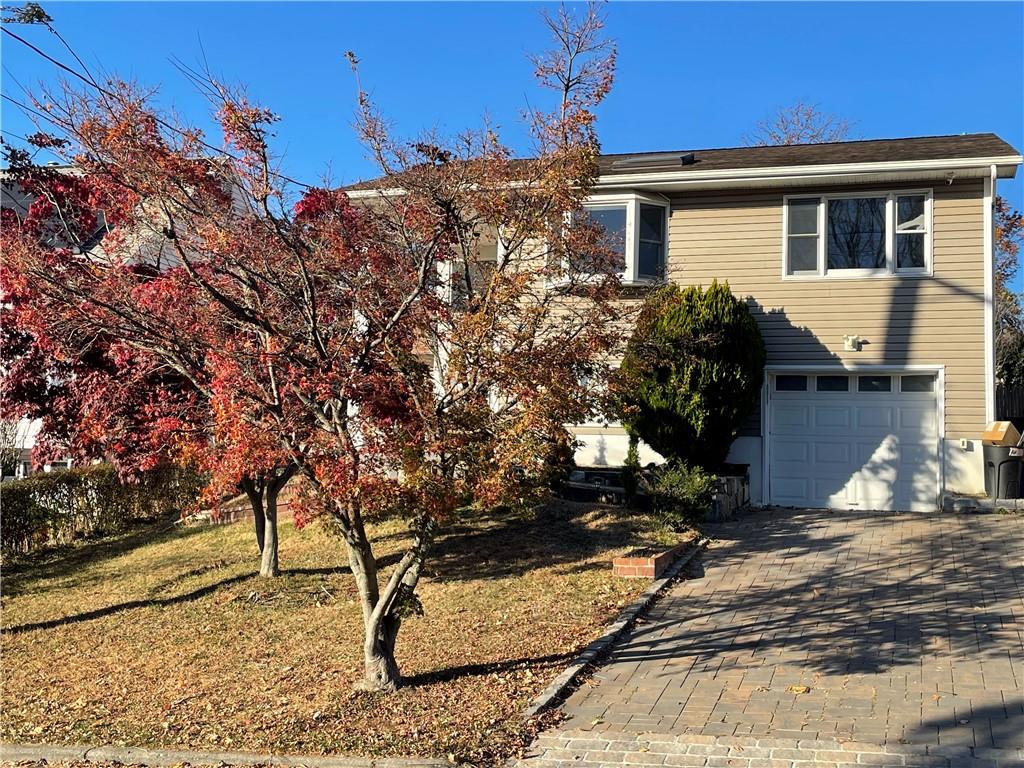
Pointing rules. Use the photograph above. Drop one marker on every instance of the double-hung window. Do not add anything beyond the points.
(858, 235)
(634, 228)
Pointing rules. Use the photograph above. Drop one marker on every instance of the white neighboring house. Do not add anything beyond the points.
(26, 432)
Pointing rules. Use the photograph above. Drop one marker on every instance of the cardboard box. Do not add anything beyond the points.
(1001, 433)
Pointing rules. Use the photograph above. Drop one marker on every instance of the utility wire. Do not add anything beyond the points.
(90, 82)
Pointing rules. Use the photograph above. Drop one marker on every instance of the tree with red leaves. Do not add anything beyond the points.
(415, 347)
(98, 398)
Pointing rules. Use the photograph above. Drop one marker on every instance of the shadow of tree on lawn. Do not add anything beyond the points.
(25, 571)
(449, 674)
(195, 594)
(511, 544)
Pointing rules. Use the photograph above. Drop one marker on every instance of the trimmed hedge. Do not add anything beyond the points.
(65, 505)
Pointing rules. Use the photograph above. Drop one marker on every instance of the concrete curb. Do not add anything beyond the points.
(166, 757)
(550, 695)
(586, 748)
(980, 505)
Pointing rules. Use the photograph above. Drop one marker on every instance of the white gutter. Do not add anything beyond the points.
(988, 198)
(771, 173)
(806, 171)
(362, 194)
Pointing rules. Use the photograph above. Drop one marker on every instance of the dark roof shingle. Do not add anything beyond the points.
(873, 151)
(975, 145)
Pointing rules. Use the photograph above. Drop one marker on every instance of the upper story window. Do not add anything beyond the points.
(635, 227)
(858, 235)
(464, 282)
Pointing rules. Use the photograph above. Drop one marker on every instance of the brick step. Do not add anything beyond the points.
(237, 508)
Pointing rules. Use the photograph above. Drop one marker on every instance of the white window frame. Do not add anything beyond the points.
(448, 271)
(632, 202)
(890, 269)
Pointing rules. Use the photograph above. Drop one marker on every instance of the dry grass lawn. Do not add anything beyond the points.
(168, 639)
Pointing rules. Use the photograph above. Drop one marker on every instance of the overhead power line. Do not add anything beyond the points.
(93, 84)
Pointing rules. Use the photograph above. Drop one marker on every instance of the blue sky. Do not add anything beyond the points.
(690, 75)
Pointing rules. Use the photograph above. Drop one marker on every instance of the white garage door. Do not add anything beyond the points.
(853, 441)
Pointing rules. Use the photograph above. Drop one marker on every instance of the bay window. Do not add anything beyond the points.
(611, 220)
(858, 235)
(635, 227)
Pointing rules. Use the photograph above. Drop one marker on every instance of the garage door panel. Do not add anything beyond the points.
(793, 451)
(873, 417)
(872, 453)
(921, 455)
(793, 488)
(829, 452)
(920, 418)
(831, 480)
(871, 494)
(834, 494)
(915, 491)
(915, 499)
(789, 416)
(860, 450)
(832, 416)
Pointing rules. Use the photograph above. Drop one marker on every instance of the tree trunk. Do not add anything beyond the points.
(380, 669)
(384, 619)
(263, 492)
(268, 562)
(254, 489)
(379, 664)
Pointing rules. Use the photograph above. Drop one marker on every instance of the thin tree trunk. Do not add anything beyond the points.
(254, 488)
(380, 669)
(268, 563)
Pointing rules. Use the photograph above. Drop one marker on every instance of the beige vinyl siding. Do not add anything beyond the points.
(936, 320)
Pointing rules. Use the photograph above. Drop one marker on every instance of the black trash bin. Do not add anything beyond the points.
(1004, 471)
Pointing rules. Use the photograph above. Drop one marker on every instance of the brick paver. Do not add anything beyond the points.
(828, 638)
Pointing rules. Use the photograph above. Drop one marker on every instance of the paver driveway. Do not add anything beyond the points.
(800, 626)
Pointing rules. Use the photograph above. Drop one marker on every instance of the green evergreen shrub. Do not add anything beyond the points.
(631, 469)
(681, 495)
(692, 373)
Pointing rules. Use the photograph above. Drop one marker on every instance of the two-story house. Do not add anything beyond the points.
(869, 267)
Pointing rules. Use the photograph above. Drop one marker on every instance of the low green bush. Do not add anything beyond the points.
(61, 506)
(681, 495)
(631, 469)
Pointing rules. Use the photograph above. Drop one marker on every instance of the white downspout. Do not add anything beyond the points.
(990, 309)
